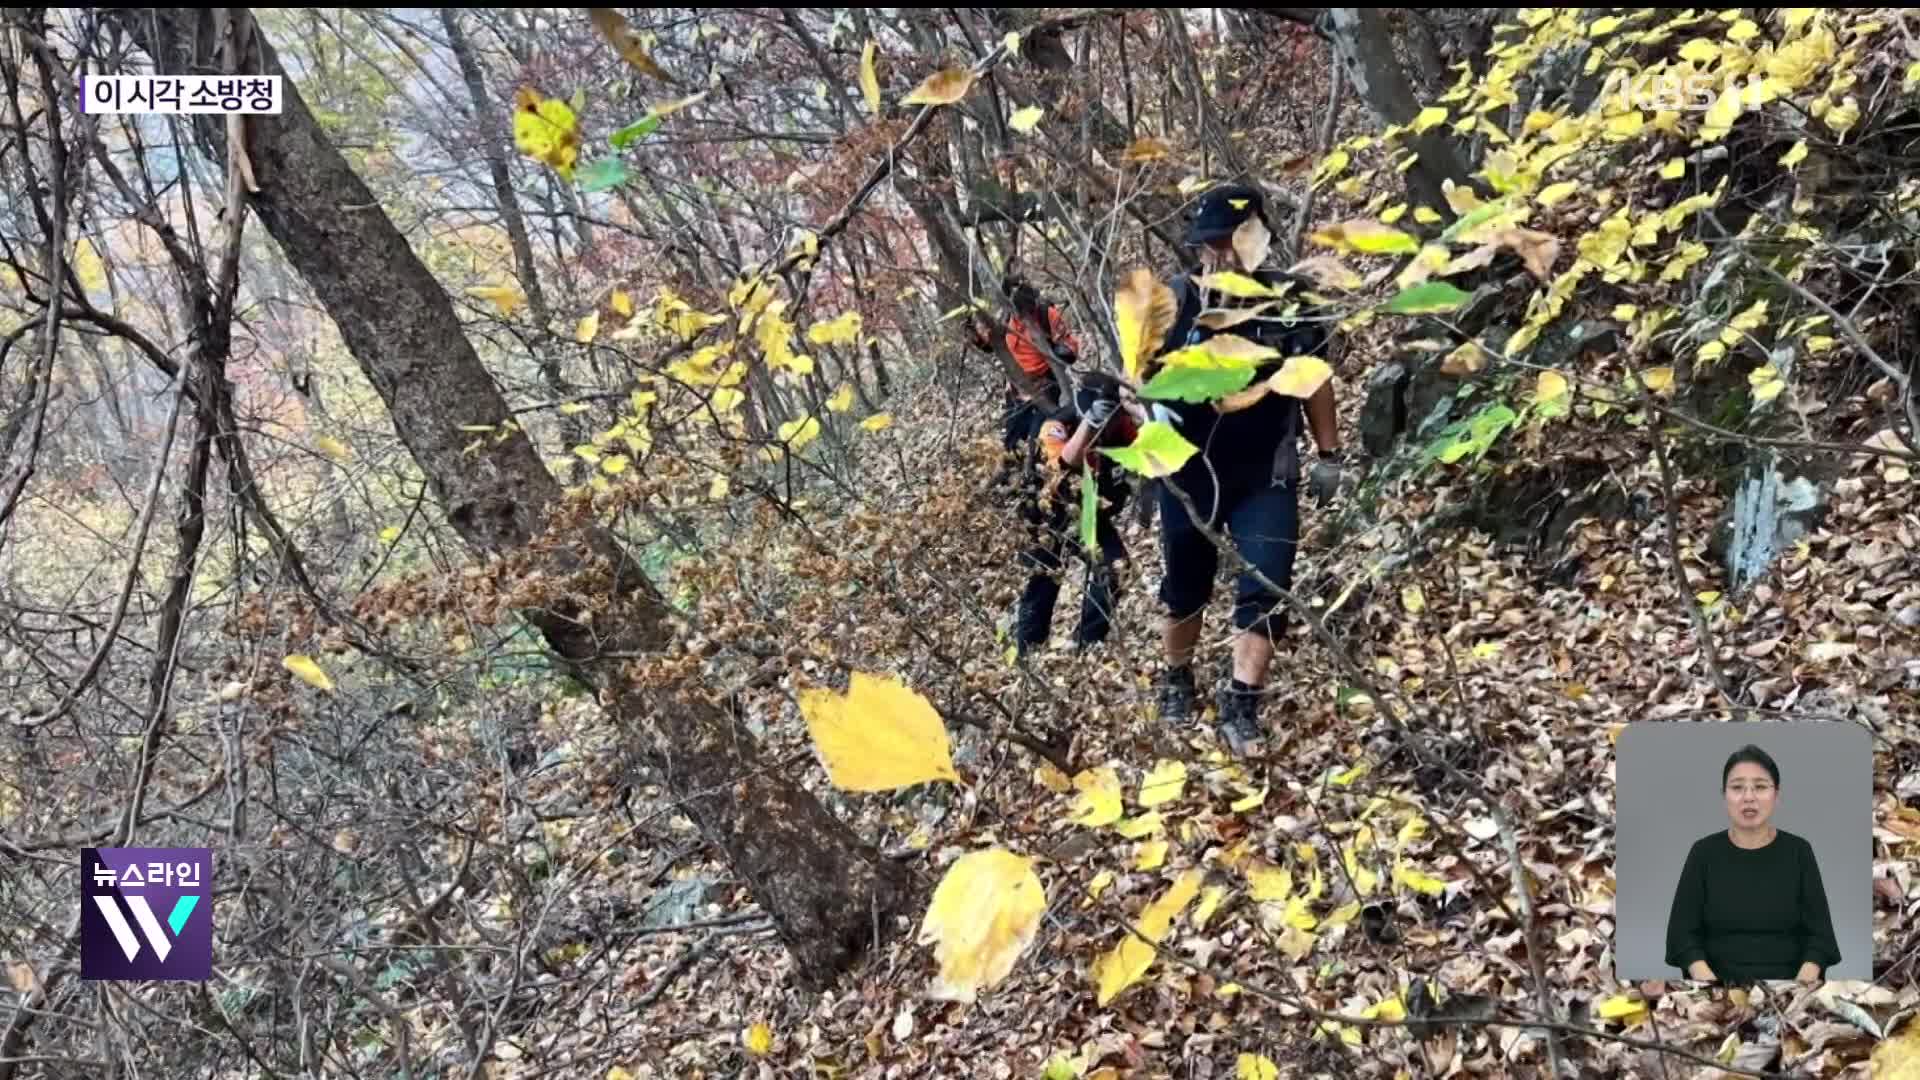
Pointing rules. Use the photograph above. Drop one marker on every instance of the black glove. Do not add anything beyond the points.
(1324, 480)
(1100, 412)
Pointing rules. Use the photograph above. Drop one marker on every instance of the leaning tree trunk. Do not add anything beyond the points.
(829, 894)
(1364, 45)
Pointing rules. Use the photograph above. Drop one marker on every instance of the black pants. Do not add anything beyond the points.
(1054, 526)
(1263, 520)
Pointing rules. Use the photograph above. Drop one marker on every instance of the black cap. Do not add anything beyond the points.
(1223, 210)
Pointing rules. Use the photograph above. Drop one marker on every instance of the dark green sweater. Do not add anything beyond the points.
(1751, 913)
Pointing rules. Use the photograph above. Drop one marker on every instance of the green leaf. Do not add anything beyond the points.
(1089, 508)
(633, 132)
(1473, 219)
(1471, 437)
(1158, 451)
(1197, 384)
(602, 174)
(1427, 298)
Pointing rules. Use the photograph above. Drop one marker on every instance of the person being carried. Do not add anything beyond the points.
(1092, 417)
(1244, 482)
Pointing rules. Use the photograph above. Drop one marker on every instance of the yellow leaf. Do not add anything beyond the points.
(1164, 784)
(1300, 377)
(87, 266)
(1348, 776)
(1625, 126)
(1251, 802)
(718, 489)
(1429, 116)
(505, 297)
(1136, 827)
(798, 433)
(546, 129)
(1099, 884)
(333, 448)
(1365, 237)
(1209, 902)
(1143, 312)
(1659, 380)
(589, 328)
(758, 1039)
(1012, 42)
(622, 303)
(1153, 853)
(1796, 155)
(877, 422)
(1898, 1056)
(941, 87)
(844, 330)
(842, 399)
(1553, 193)
(613, 26)
(1025, 119)
(1721, 115)
(1098, 803)
(879, 736)
(983, 916)
(614, 465)
(1344, 914)
(1390, 1010)
(1467, 359)
(1122, 966)
(1843, 116)
(1254, 1067)
(1236, 285)
(1296, 943)
(1674, 170)
(1414, 829)
(619, 1073)
(1394, 213)
(308, 672)
(1269, 883)
(869, 78)
(1413, 600)
(1621, 1007)
(1425, 215)
(1625, 312)
(1222, 351)
(1417, 881)
(390, 534)
(1551, 386)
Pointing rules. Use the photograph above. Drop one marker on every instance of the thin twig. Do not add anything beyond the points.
(1337, 80)
(1709, 649)
(133, 565)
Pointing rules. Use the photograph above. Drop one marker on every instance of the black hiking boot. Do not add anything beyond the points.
(1239, 722)
(1176, 694)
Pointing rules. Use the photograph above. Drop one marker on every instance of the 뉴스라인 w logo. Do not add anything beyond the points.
(146, 913)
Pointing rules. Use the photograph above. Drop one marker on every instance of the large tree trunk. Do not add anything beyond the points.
(1365, 46)
(829, 894)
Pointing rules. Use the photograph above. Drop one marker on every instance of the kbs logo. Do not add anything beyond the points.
(146, 883)
(1684, 90)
